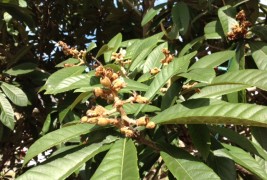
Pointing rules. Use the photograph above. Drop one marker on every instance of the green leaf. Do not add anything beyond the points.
(7, 113)
(23, 68)
(250, 77)
(184, 166)
(227, 19)
(83, 96)
(71, 83)
(213, 30)
(132, 108)
(15, 94)
(134, 85)
(239, 140)
(150, 14)
(213, 60)
(102, 50)
(61, 166)
(260, 135)
(153, 59)
(218, 90)
(113, 46)
(224, 113)
(204, 75)
(119, 163)
(68, 61)
(261, 31)
(181, 17)
(178, 65)
(171, 95)
(242, 158)
(200, 136)
(143, 54)
(59, 76)
(259, 54)
(189, 45)
(56, 137)
(91, 46)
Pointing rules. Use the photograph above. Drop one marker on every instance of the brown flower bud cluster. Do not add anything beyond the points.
(240, 30)
(72, 52)
(168, 57)
(112, 83)
(119, 57)
(154, 71)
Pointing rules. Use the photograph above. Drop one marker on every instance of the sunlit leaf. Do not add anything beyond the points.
(23, 68)
(113, 46)
(15, 94)
(119, 163)
(7, 113)
(259, 54)
(227, 19)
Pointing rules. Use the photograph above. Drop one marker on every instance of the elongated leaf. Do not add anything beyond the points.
(227, 18)
(113, 46)
(178, 65)
(150, 14)
(171, 95)
(260, 135)
(20, 69)
(200, 136)
(71, 83)
(218, 90)
(242, 158)
(63, 166)
(259, 54)
(250, 77)
(7, 113)
(81, 97)
(119, 163)
(204, 75)
(239, 140)
(15, 94)
(153, 59)
(189, 46)
(59, 76)
(56, 137)
(224, 113)
(102, 50)
(213, 30)
(184, 166)
(134, 85)
(143, 54)
(181, 17)
(213, 60)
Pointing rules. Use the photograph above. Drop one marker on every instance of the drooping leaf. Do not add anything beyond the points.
(213, 60)
(7, 113)
(250, 77)
(242, 158)
(119, 163)
(59, 76)
(227, 19)
(15, 94)
(23, 68)
(223, 113)
(239, 140)
(259, 54)
(184, 166)
(64, 165)
(56, 137)
(218, 90)
(213, 30)
(200, 136)
(171, 95)
(150, 14)
(113, 46)
(153, 59)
